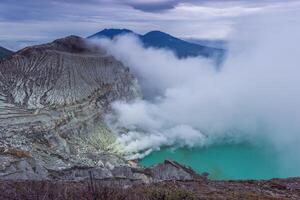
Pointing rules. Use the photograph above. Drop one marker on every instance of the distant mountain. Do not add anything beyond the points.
(180, 47)
(159, 39)
(220, 44)
(4, 53)
(111, 33)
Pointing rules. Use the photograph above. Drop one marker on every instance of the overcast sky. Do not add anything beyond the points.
(24, 22)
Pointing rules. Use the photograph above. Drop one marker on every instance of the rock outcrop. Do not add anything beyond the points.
(53, 98)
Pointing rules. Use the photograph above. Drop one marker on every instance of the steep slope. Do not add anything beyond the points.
(4, 53)
(52, 101)
(158, 39)
(60, 73)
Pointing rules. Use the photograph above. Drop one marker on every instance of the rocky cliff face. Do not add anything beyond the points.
(65, 72)
(52, 101)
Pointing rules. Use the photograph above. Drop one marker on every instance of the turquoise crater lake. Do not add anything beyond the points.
(225, 161)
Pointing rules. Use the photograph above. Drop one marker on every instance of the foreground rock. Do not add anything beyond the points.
(53, 98)
(168, 180)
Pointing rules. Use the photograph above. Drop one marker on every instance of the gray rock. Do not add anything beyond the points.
(53, 98)
(171, 170)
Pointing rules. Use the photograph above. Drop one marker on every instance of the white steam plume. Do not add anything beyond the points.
(255, 96)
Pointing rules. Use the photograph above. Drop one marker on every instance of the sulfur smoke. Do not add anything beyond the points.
(255, 97)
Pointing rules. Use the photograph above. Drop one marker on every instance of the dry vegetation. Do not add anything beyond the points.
(83, 190)
(168, 190)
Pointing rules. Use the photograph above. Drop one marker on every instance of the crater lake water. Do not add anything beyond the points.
(225, 161)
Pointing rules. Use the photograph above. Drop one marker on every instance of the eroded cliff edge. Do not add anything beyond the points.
(53, 98)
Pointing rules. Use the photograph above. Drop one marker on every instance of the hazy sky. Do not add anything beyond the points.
(24, 22)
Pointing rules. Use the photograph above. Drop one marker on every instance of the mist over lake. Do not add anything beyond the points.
(191, 103)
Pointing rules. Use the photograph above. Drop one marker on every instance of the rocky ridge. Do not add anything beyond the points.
(53, 98)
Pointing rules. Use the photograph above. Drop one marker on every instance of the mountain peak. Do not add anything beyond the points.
(111, 33)
(69, 39)
(157, 34)
(70, 44)
(159, 39)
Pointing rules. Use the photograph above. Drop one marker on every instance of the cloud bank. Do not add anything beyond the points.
(254, 98)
